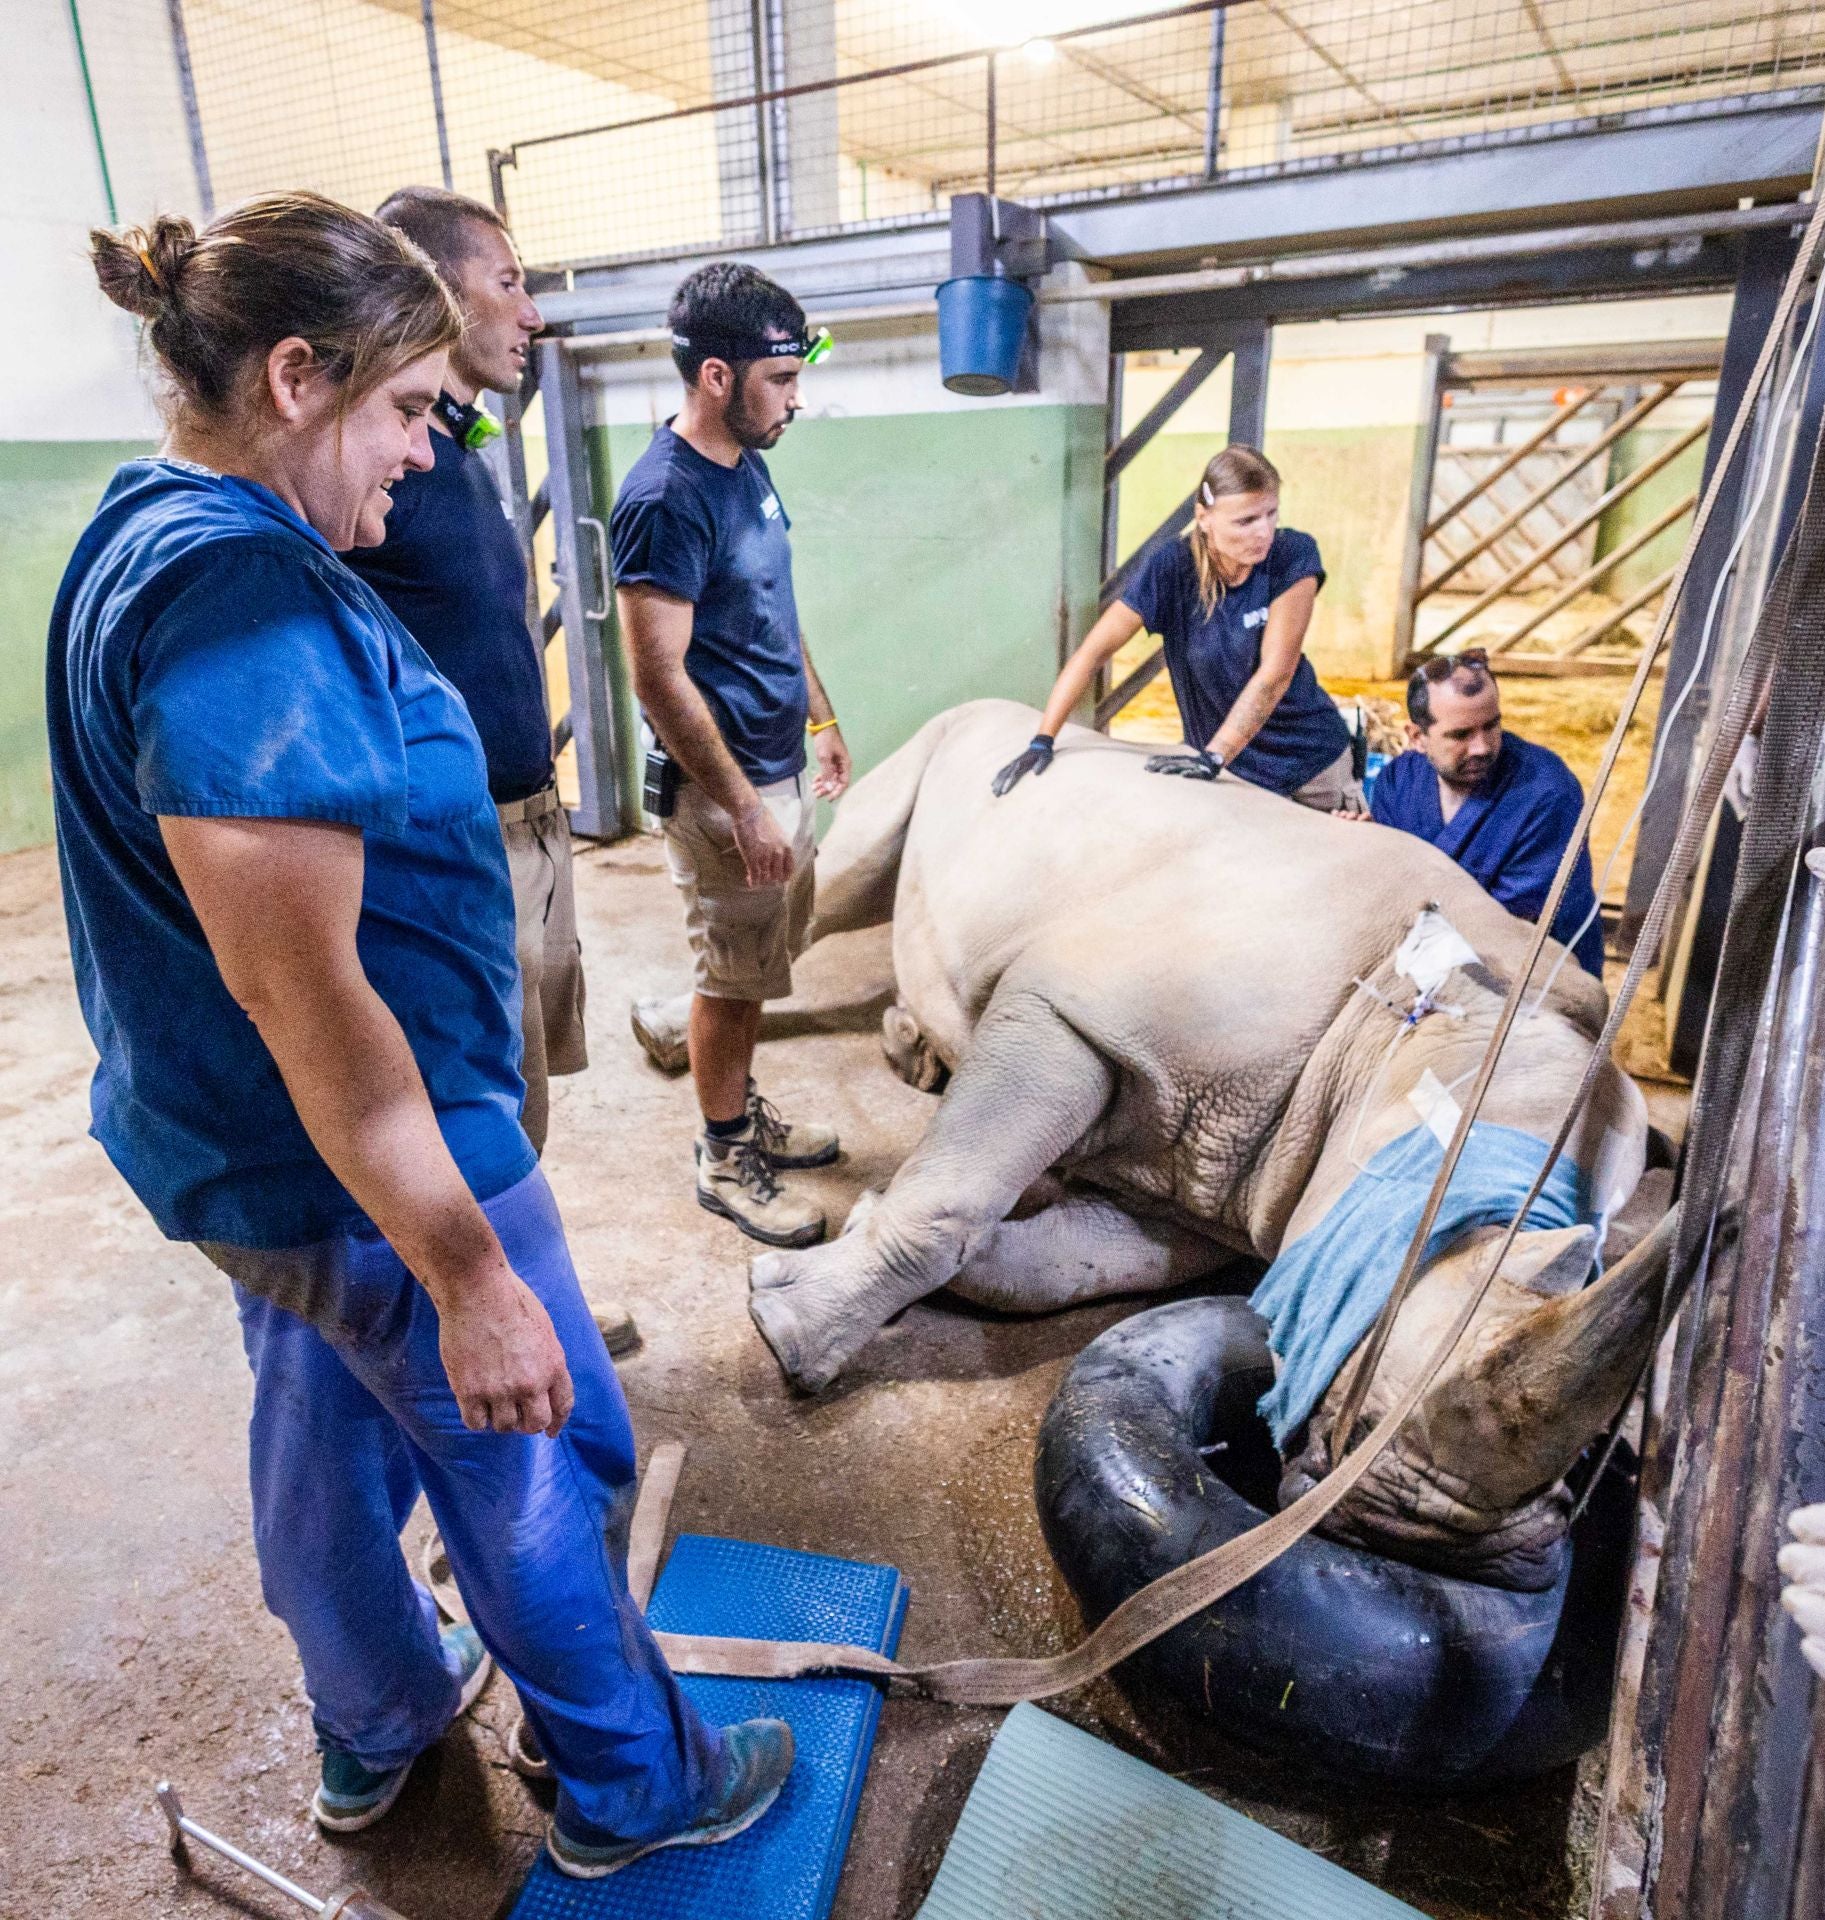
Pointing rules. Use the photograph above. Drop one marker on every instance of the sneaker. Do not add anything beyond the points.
(616, 1325)
(760, 1757)
(789, 1143)
(351, 1796)
(735, 1179)
(524, 1754)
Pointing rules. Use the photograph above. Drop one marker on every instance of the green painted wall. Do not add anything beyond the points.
(1347, 487)
(48, 489)
(1651, 499)
(936, 557)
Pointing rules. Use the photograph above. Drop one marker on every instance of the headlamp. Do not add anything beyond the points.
(735, 348)
(470, 427)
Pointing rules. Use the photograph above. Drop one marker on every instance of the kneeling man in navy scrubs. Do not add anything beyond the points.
(1502, 807)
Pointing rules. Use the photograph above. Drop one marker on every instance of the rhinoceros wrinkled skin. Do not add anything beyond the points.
(1146, 993)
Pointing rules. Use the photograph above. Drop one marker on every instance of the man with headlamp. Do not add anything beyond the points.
(703, 584)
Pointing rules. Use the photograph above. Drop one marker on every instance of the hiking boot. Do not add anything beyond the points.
(735, 1179)
(789, 1143)
(351, 1796)
(760, 1757)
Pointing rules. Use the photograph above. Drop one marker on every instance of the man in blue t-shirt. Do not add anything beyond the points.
(703, 585)
(1502, 807)
(452, 570)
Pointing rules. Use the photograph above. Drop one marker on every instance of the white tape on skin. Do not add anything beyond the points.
(1433, 946)
(1431, 1099)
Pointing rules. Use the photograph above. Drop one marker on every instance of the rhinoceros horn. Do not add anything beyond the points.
(1538, 1381)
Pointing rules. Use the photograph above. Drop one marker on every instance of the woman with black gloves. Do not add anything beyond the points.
(1232, 602)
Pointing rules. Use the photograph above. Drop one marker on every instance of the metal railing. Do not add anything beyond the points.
(618, 129)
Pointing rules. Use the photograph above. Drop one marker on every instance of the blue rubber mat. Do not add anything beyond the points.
(1062, 1825)
(786, 1866)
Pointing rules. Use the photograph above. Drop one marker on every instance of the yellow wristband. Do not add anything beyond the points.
(818, 726)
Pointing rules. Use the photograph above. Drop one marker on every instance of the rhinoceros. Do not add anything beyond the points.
(1175, 1032)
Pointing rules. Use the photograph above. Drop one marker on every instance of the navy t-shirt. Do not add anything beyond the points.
(210, 656)
(1212, 658)
(716, 536)
(451, 569)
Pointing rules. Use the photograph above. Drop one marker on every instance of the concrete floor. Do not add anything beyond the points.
(134, 1644)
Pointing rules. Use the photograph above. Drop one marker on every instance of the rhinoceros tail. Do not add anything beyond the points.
(858, 863)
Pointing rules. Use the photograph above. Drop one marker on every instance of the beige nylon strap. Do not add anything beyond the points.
(1156, 1609)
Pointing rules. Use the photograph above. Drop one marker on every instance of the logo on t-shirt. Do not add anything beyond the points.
(1255, 619)
(770, 508)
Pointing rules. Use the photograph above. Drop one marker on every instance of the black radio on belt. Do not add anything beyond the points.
(664, 776)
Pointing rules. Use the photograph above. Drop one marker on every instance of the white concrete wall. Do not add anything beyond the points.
(68, 361)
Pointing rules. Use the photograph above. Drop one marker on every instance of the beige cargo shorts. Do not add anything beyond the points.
(744, 939)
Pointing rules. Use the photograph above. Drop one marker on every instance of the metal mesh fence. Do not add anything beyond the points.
(623, 127)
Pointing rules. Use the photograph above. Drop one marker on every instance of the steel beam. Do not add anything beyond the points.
(1656, 161)
(1544, 278)
(1248, 387)
(1419, 498)
(1766, 259)
(1122, 455)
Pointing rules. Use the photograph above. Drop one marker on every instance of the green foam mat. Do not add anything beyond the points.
(1061, 1826)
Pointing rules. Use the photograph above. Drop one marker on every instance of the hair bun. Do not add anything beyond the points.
(139, 268)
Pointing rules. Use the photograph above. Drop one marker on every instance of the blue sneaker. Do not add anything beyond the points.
(351, 1796)
(760, 1756)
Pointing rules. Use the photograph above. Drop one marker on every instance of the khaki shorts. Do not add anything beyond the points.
(744, 939)
(551, 960)
(1327, 791)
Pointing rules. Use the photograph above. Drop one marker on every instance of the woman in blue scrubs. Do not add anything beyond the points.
(1231, 602)
(294, 944)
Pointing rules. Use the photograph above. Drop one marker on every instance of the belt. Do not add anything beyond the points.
(534, 807)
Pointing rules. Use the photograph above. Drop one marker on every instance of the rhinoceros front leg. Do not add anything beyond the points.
(1081, 1248)
(1028, 1090)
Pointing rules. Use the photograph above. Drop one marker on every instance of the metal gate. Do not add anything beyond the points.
(581, 607)
(1514, 477)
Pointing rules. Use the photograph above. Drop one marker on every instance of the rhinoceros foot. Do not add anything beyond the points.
(810, 1309)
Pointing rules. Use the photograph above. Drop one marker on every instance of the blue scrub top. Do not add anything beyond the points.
(1211, 658)
(451, 570)
(1509, 835)
(210, 656)
(716, 536)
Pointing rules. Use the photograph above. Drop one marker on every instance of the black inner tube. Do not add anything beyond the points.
(1152, 1453)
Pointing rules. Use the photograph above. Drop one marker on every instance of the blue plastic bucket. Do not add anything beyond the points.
(982, 321)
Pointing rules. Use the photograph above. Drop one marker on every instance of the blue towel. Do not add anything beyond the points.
(1322, 1294)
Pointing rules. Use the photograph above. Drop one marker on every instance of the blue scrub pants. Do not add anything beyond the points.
(353, 1416)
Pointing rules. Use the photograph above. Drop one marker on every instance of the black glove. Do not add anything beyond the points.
(1200, 765)
(1035, 760)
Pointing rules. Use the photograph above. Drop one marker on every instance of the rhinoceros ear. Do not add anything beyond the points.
(1552, 1260)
